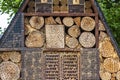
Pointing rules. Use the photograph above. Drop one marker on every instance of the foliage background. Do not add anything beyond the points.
(110, 8)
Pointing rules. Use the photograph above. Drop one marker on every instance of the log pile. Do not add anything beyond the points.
(10, 65)
(47, 32)
(109, 60)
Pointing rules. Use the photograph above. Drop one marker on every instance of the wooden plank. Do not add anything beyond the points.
(54, 36)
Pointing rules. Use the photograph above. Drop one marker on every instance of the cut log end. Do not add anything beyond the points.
(68, 21)
(15, 57)
(77, 21)
(50, 21)
(87, 39)
(101, 26)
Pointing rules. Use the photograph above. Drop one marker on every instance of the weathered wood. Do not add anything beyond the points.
(64, 9)
(68, 21)
(15, 57)
(56, 8)
(87, 39)
(101, 26)
(56, 2)
(35, 39)
(88, 4)
(105, 75)
(71, 42)
(118, 75)
(87, 23)
(9, 71)
(111, 65)
(28, 29)
(102, 36)
(54, 36)
(50, 21)
(74, 31)
(77, 21)
(106, 48)
(88, 10)
(36, 22)
(5, 56)
(76, 2)
(64, 2)
(58, 20)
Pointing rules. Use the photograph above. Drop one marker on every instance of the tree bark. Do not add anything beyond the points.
(35, 39)
(87, 39)
(68, 21)
(74, 31)
(36, 22)
(87, 23)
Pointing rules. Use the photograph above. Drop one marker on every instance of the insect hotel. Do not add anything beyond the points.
(59, 40)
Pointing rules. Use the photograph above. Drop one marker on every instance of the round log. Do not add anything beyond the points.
(77, 21)
(111, 65)
(118, 75)
(105, 75)
(101, 26)
(9, 71)
(68, 21)
(106, 48)
(87, 39)
(28, 29)
(71, 42)
(50, 21)
(102, 36)
(15, 56)
(87, 23)
(74, 31)
(36, 22)
(58, 20)
(88, 4)
(88, 10)
(35, 39)
(5, 56)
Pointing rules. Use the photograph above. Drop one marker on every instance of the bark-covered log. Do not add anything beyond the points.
(9, 71)
(64, 9)
(88, 10)
(28, 29)
(71, 42)
(15, 56)
(101, 26)
(118, 75)
(50, 21)
(36, 22)
(58, 20)
(106, 48)
(35, 39)
(87, 23)
(68, 21)
(74, 31)
(88, 4)
(111, 65)
(87, 39)
(77, 21)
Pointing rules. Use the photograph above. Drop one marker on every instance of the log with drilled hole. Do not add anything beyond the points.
(87, 23)
(36, 22)
(35, 39)
(71, 42)
(50, 21)
(68, 21)
(87, 39)
(74, 31)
